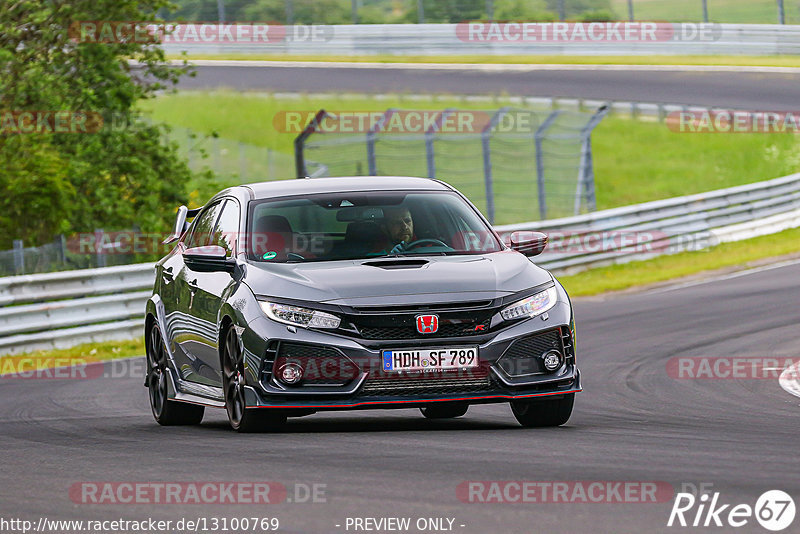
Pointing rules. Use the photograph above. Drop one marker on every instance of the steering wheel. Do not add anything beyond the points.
(418, 242)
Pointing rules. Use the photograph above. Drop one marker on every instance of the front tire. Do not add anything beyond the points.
(444, 410)
(543, 413)
(165, 411)
(243, 419)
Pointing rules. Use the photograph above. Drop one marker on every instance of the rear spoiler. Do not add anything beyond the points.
(181, 223)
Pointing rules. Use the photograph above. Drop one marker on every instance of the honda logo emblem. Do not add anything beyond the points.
(427, 324)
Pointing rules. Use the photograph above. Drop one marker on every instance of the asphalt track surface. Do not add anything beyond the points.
(633, 422)
(759, 91)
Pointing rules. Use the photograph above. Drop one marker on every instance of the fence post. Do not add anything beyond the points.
(372, 162)
(538, 137)
(299, 143)
(429, 138)
(781, 13)
(217, 162)
(99, 251)
(270, 164)
(61, 248)
(486, 134)
(19, 257)
(705, 11)
(421, 11)
(242, 162)
(289, 13)
(630, 11)
(586, 170)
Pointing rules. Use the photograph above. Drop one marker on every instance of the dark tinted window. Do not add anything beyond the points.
(363, 225)
(227, 231)
(203, 227)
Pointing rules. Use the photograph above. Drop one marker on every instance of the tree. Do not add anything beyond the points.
(109, 176)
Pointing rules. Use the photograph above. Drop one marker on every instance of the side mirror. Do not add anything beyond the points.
(528, 243)
(207, 259)
(180, 223)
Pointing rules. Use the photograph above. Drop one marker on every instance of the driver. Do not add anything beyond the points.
(398, 226)
(397, 229)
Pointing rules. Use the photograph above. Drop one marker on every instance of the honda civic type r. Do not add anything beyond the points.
(285, 298)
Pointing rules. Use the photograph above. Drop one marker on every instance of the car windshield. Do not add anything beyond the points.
(364, 225)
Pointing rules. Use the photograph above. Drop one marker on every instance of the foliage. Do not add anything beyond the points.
(115, 176)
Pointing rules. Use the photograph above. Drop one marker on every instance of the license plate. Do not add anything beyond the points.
(423, 359)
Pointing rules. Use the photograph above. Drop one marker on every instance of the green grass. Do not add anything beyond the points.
(663, 268)
(650, 59)
(635, 161)
(728, 11)
(79, 354)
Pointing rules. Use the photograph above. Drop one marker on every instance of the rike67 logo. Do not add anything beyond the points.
(774, 510)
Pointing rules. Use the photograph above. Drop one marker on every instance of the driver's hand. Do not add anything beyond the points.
(398, 248)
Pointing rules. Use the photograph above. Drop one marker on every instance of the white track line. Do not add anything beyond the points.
(486, 67)
(737, 274)
(790, 379)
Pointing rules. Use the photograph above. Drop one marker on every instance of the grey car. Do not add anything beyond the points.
(282, 299)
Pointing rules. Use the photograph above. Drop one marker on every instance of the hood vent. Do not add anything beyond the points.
(400, 263)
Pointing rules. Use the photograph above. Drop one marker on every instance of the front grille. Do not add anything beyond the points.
(409, 330)
(445, 383)
(524, 356)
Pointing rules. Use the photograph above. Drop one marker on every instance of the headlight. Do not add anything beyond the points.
(297, 316)
(531, 306)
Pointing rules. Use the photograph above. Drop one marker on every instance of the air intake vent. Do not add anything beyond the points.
(398, 264)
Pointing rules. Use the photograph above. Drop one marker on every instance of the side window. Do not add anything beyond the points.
(227, 230)
(203, 226)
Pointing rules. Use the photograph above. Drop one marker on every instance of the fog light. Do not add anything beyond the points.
(290, 374)
(552, 360)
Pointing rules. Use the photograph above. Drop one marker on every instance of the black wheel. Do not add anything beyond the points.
(243, 419)
(549, 412)
(166, 412)
(444, 410)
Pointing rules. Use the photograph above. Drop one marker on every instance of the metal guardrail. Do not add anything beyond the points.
(58, 310)
(453, 39)
(62, 309)
(692, 222)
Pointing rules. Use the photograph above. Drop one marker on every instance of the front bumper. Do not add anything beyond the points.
(369, 388)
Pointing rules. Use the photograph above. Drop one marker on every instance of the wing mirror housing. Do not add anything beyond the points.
(210, 258)
(528, 243)
(181, 223)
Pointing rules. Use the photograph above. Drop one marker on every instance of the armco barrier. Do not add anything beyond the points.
(449, 39)
(62, 309)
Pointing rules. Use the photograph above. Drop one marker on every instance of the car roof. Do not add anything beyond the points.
(282, 188)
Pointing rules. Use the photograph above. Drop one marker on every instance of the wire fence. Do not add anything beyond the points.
(66, 253)
(232, 162)
(511, 162)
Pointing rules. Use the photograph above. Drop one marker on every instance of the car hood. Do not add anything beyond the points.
(388, 281)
